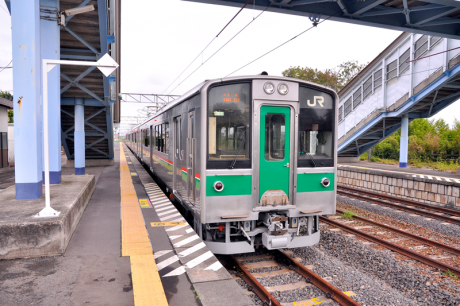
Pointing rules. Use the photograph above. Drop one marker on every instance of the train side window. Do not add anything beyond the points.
(316, 128)
(229, 109)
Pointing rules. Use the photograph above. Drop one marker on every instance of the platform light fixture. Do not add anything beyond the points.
(75, 11)
(106, 65)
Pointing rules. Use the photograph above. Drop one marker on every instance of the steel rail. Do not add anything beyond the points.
(447, 211)
(423, 240)
(257, 288)
(331, 291)
(397, 206)
(404, 251)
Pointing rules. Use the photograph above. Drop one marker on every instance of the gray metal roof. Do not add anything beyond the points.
(6, 103)
(432, 17)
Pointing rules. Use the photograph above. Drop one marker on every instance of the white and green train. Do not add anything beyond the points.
(251, 161)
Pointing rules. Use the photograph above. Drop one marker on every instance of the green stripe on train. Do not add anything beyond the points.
(309, 182)
(233, 185)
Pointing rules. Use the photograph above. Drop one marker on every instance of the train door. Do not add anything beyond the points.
(151, 144)
(275, 161)
(177, 154)
(191, 146)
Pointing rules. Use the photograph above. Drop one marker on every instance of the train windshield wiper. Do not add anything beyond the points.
(243, 138)
(311, 159)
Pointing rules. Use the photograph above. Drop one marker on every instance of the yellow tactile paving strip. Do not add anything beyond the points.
(147, 286)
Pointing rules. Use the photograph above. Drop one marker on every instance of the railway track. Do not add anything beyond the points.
(397, 248)
(431, 211)
(283, 258)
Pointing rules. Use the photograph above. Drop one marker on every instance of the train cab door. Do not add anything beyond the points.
(276, 146)
(191, 154)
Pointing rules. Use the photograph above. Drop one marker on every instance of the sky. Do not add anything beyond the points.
(160, 38)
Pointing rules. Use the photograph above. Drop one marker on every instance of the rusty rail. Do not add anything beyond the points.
(257, 287)
(372, 198)
(331, 291)
(406, 252)
(423, 240)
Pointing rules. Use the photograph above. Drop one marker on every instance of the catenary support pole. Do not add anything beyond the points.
(404, 142)
(25, 22)
(50, 49)
(79, 136)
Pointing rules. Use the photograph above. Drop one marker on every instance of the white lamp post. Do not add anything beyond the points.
(106, 65)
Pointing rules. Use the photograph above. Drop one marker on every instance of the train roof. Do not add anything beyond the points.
(195, 90)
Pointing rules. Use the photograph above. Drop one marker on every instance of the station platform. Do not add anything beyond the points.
(124, 251)
(422, 185)
(395, 168)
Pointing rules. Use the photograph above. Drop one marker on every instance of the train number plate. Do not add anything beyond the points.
(172, 223)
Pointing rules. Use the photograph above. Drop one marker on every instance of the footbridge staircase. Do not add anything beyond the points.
(416, 76)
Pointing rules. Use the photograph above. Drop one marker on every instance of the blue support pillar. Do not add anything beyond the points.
(50, 49)
(79, 137)
(404, 142)
(25, 21)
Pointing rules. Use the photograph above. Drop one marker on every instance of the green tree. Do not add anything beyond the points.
(335, 78)
(7, 95)
(348, 70)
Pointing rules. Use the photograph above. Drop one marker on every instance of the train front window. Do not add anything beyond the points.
(228, 124)
(316, 129)
(274, 136)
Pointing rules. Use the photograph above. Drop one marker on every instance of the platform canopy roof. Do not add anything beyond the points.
(433, 17)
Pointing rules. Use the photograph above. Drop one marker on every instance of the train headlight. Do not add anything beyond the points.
(218, 186)
(283, 89)
(325, 182)
(269, 88)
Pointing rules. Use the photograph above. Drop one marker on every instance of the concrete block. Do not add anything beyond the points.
(392, 189)
(448, 190)
(412, 193)
(421, 186)
(456, 192)
(431, 197)
(399, 182)
(418, 194)
(428, 186)
(386, 188)
(404, 183)
(410, 184)
(397, 191)
(443, 199)
(450, 200)
(424, 195)
(23, 236)
(434, 188)
(438, 198)
(385, 180)
(457, 202)
(380, 179)
(367, 177)
(441, 189)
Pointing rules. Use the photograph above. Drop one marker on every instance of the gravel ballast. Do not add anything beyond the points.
(432, 224)
(374, 275)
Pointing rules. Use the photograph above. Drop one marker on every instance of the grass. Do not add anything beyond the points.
(449, 273)
(442, 165)
(348, 214)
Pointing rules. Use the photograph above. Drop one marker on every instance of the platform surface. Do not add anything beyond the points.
(395, 168)
(93, 270)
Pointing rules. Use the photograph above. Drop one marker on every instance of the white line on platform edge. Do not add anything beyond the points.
(191, 250)
(167, 262)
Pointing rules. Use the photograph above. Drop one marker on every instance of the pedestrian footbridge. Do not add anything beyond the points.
(414, 77)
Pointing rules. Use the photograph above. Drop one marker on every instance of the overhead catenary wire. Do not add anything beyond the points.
(301, 33)
(228, 41)
(220, 32)
(7, 66)
(432, 55)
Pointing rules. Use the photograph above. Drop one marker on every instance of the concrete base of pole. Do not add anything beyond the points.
(23, 236)
(90, 163)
